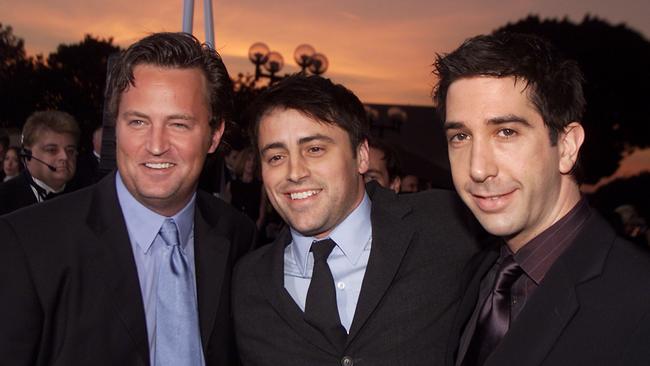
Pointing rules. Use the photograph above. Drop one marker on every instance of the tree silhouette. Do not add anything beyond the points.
(616, 64)
(20, 89)
(76, 79)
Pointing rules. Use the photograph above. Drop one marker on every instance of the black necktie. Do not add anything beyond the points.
(494, 318)
(321, 311)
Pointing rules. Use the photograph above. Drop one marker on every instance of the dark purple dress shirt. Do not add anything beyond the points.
(535, 258)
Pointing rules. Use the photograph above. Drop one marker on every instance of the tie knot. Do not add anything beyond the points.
(169, 232)
(509, 272)
(322, 249)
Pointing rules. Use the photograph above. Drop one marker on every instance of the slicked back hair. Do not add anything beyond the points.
(553, 83)
(317, 98)
(174, 51)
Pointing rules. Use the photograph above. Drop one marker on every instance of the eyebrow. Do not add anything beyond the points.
(301, 141)
(185, 117)
(134, 114)
(274, 145)
(316, 137)
(508, 118)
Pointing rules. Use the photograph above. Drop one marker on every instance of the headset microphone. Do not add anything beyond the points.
(27, 154)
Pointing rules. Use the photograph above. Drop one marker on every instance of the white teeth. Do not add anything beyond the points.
(159, 165)
(302, 195)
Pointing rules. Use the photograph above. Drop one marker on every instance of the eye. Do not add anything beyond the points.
(368, 177)
(71, 151)
(180, 125)
(315, 150)
(136, 122)
(274, 159)
(507, 132)
(458, 137)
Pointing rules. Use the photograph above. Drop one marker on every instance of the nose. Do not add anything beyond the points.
(482, 163)
(157, 141)
(298, 169)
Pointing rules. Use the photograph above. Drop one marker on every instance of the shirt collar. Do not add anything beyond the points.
(47, 188)
(144, 224)
(352, 235)
(539, 254)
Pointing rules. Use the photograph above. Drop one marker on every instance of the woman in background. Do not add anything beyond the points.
(11, 165)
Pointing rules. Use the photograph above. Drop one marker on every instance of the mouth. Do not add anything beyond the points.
(303, 194)
(159, 166)
(493, 202)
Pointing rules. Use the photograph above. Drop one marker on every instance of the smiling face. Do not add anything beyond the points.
(163, 135)
(311, 174)
(503, 164)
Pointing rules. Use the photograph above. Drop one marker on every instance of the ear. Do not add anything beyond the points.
(363, 157)
(395, 184)
(216, 137)
(569, 143)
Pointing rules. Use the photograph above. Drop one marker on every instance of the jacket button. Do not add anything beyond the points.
(347, 361)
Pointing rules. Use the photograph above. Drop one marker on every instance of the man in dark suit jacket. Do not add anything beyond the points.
(50, 140)
(559, 287)
(85, 278)
(394, 263)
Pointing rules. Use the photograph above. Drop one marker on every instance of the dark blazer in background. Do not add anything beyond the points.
(16, 193)
(592, 308)
(69, 285)
(409, 296)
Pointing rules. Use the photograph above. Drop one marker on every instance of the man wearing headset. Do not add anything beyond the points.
(50, 140)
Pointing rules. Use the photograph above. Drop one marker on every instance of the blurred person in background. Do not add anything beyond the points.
(246, 191)
(50, 140)
(383, 165)
(11, 165)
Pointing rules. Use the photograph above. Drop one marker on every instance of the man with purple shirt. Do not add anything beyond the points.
(560, 288)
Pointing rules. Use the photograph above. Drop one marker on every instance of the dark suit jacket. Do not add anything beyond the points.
(16, 193)
(409, 295)
(69, 285)
(592, 308)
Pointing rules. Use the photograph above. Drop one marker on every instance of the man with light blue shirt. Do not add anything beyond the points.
(136, 269)
(361, 275)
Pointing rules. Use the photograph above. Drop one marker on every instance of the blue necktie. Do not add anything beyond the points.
(178, 340)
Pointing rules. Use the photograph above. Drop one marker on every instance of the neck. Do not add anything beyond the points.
(567, 198)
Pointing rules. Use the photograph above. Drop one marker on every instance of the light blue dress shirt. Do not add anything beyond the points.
(143, 225)
(348, 261)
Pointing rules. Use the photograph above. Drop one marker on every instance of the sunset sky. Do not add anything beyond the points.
(380, 49)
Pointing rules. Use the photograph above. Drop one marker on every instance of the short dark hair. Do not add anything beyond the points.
(316, 97)
(555, 82)
(174, 51)
(55, 121)
(393, 165)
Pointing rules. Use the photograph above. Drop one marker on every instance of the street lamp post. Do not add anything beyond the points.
(188, 19)
(272, 61)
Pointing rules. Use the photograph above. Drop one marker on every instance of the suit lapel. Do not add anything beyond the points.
(211, 253)
(115, 263)
(26, 196)
(270, 277)
(391, 237)
(555, 302)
